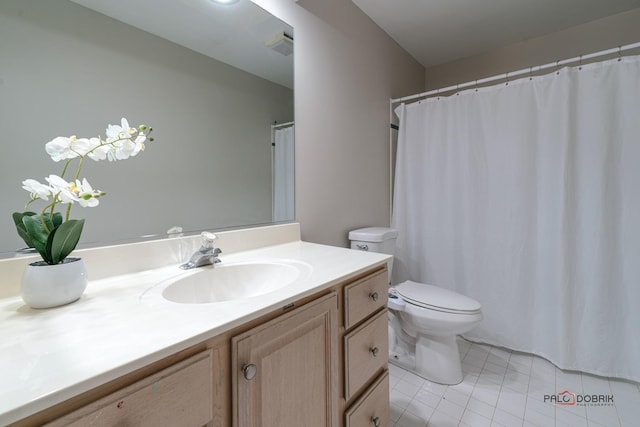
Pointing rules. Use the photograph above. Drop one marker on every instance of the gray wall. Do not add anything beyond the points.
(67, 70)
(606, 33)
(346, 69)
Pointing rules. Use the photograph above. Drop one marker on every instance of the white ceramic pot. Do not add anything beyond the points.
(46, 286)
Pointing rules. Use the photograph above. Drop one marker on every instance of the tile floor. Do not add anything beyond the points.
(504, 388)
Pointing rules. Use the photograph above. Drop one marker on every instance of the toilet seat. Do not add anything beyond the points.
(438, 298)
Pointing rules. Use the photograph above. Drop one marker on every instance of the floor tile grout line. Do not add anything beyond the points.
(526, 399)
(616, 406)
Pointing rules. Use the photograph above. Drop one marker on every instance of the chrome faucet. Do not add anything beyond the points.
(206, 255)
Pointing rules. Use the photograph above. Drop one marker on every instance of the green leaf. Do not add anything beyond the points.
(17, 217)
(20, 228)
(65, 238)
(48, 222)
(48, 246)
(57, 219)
(37, 235)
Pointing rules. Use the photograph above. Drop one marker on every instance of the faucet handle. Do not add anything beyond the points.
(207, 239)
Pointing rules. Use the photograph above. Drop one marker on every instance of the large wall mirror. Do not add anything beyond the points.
(211, 79)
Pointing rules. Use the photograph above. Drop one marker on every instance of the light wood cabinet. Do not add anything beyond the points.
(363, 297)
(372, 408)
(366, 351)
(318, 362)
(285, 372)
(178, 395)
(293, 371)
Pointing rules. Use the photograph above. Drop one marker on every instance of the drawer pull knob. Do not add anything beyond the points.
(249, 371)
(375, 421)
(374, 296)
(374, 351)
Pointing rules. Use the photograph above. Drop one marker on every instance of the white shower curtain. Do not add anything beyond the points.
(283, 175)
(526, 197)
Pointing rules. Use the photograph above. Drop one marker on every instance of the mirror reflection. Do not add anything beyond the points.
(223, 128)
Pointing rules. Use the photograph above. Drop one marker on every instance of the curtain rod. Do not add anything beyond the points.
(508, 75)
(281, 125)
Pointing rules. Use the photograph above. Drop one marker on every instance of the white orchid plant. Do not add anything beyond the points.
(48, 232)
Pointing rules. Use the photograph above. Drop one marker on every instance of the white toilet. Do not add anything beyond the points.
(423, 319)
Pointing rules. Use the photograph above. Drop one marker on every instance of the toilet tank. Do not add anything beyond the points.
(375, 239)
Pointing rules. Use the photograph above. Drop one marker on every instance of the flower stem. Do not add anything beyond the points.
(64, 170)
(79, 168)
(44, 224)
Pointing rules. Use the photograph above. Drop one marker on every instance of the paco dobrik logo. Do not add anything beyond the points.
(569, 398)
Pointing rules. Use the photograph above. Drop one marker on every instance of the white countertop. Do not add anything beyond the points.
(48, 356)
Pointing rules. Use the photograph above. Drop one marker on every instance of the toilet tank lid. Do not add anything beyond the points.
(373, 234)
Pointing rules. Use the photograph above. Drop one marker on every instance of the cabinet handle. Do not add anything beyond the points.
(249, 371)
(374, 296)
(375, 421)
(374, 351)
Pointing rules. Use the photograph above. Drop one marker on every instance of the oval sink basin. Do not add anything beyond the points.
(231, 281)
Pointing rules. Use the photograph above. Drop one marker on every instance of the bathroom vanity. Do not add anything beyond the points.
(312, 353)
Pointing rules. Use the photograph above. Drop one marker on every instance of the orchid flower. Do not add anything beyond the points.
(51, 235)
(37, 189)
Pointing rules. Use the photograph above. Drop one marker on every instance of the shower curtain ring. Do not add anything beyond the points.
(619, 53)
(476, 85)
(531, 73)
(507, 77)
(580, 63)
(558, 67)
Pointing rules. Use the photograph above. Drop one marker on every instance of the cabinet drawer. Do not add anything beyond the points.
(178, 395)
(364, 297)
(366, 352)
(372, 409)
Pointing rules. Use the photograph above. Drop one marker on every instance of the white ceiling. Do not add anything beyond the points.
(439, 31)
(235, 34)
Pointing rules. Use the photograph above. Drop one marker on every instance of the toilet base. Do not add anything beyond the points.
(438, 359)
(434, 358)
(404, 361)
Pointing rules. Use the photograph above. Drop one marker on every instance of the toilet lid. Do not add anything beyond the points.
(435, 298)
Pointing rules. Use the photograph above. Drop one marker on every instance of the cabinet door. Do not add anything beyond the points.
(178, 395)
(285, 371)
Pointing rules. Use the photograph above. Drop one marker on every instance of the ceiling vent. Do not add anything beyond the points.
(281, 43)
